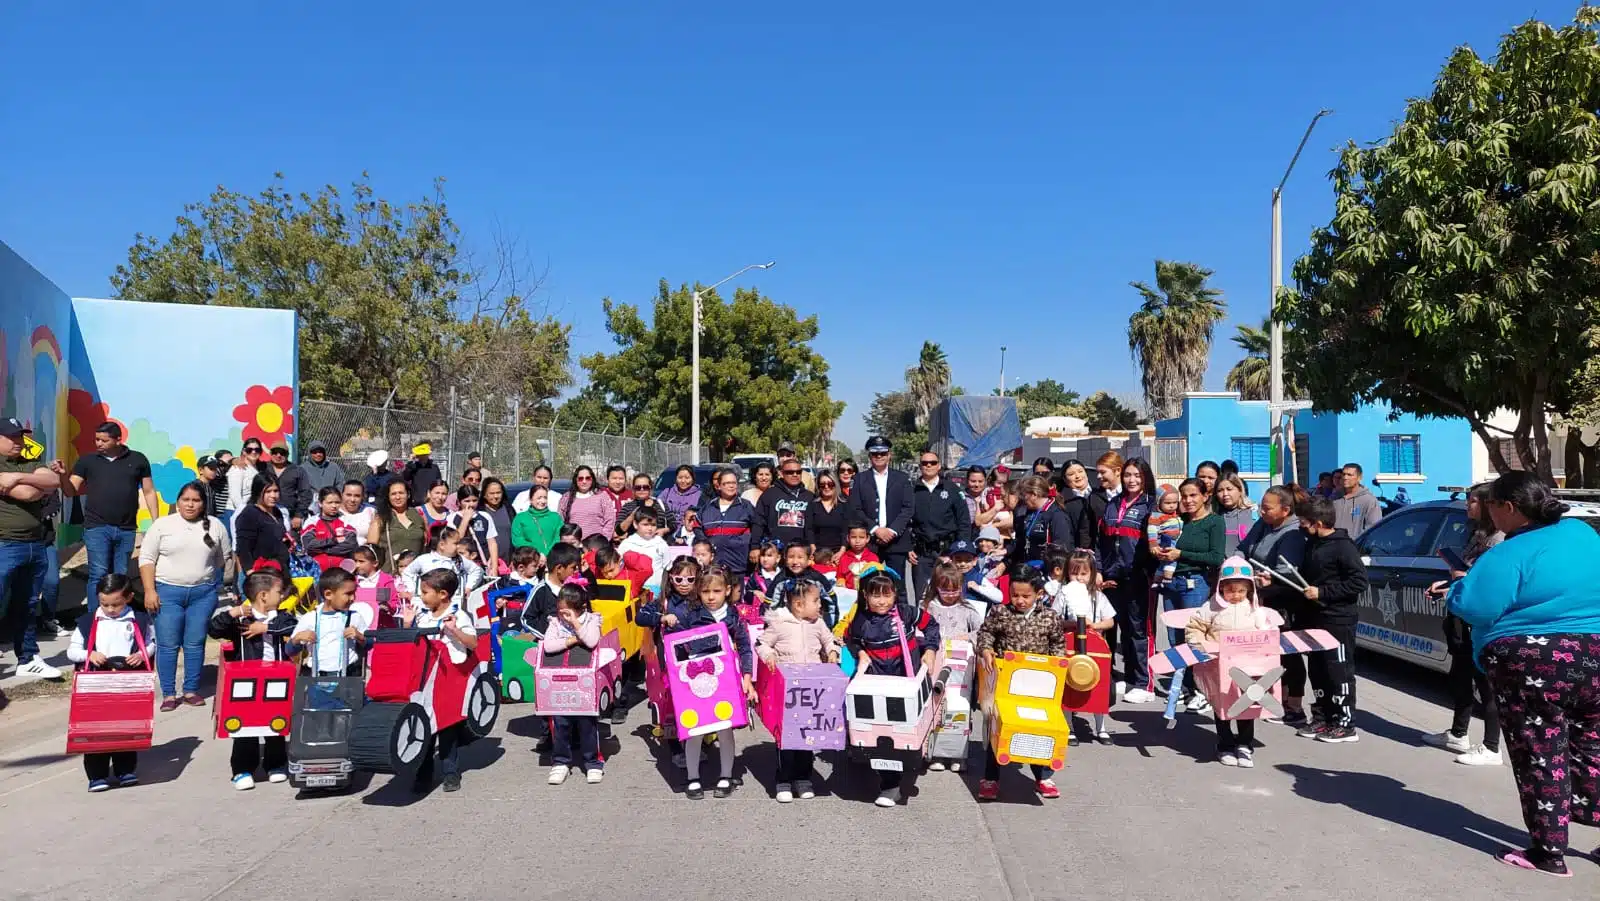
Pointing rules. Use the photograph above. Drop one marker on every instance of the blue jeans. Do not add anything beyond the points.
(1182, 593)
(21, 563)
(109, 549)
(47, 584)
(181, 622)
(576, 740)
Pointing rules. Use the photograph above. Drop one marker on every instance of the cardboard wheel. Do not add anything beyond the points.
(483, 705)
(390, 738)
(514, 690)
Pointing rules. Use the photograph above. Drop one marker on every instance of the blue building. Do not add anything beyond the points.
(1418, 454)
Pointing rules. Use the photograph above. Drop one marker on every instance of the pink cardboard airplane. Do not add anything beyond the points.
(1241, 674)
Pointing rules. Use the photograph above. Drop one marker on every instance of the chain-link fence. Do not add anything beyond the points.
(352, 432)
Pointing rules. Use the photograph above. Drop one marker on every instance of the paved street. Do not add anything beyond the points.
(1152, 817)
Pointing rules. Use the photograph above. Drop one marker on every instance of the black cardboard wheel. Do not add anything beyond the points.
(390, 738)
(483, 705)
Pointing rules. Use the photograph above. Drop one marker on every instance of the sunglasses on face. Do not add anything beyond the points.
(279, 453)
(847, 472)
(586, 478)
(682, 580)
(790, 472)
(877, 453)
(641, 488)
(929, 462)
(252, 450)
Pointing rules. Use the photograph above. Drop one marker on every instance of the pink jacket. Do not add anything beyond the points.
(595, 514)
(555, 640)
(789, 639)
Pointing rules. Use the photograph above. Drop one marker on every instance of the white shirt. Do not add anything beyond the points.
(1074, 599)
(654, 548)
(427, 618)
(469, 574)
(881, 479)
(112, 637)
(360, 520)
(328, 626)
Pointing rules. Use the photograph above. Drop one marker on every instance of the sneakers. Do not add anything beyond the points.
(1047, 789)
(51, 629)
(1295, 719)
(1244, 758)
(1338, 735)
(785, 793)
(1119, 689)
(1103, 737)
(804, 791)
(594, 776)
(1448, 741)
(277, 776)
(889, 798)
(988, 790)
(1137, 696)
(936, 766)
(452, 782)
(1479, 756)
(1312, 730)
(244, 782)
(1227, 758)
(38, 669)
(1198, 704)
(558, 774)
(98, 785)
(127, 779)
(723, 789)
(955, 766)
(1072, 739)
(694, 792)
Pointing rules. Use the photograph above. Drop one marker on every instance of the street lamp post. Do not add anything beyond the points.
(1002, 370)
(1275, 401)
(694, 401)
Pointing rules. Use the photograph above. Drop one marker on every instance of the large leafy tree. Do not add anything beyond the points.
(1461, 272)
(589, 409)
(928, 382)
(389, 304)
(1046, 397)
(1170, 335)
(761, 381)
(1100, 411)
(893, 416)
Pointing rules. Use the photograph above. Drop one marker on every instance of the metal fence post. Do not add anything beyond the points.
(450, 433)
(516, 435)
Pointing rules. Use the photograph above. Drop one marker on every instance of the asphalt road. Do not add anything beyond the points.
(1150, 817)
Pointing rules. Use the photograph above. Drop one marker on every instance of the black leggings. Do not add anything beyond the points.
(248, 754)
(1464, 677)
(1233, 735)
(101, 767)
(991, 768)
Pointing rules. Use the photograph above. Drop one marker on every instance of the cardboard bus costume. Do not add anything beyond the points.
(255, 698)
(891, 718)
(112, 709)
(325, 707)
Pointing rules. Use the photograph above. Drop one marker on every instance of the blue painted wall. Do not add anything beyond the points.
(1211, 422)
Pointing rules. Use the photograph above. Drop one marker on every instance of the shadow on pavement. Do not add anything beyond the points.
(1387, 798)
(36, 760)
(166, 762)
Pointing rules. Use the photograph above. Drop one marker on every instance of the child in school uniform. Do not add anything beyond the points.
(797, 634)
(758, 585)
(576, 739)
(1234, 608)
(679, 590)
(646, 541)
(369, 577)
(874, 635)
(797, 568)
(1026, 625)
(113, 636)
(332, 633)
(259, 631)
(444, 552)
(978, 589)
(438, 591)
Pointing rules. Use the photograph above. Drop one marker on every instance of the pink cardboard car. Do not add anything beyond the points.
(579, 681)
(702, 670)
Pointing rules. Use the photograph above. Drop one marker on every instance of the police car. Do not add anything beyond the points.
(1397, 617)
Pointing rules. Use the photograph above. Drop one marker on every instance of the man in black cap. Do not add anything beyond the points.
(881, 498)
(322, 472)
(26, 486)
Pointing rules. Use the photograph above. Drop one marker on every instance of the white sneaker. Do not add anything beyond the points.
(277, 776)
(888, 799)
(803, 790)
(1244, 757)
(1120, 688)
(558, 774)
(38, 669)
(595, 775)
(1479, 756)
(1227, 758)
(244, 782)
(785, 793)
(1449, 741)
(1198, 704)
(936, 766)
(1138, 696)
(955, 766)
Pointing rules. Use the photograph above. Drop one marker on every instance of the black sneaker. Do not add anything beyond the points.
(724, 789)
(619, 713)
(1312, 730)
(452, 783)
(694, 792)
(543, 745)
(1338, 734)
(1072, 740)
(1295, 719)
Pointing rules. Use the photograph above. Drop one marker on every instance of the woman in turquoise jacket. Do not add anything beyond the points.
(1534, 607)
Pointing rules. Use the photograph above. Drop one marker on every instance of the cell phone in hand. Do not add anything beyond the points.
(1453, 557)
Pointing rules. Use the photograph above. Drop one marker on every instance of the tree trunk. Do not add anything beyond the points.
(1573, 460)
(1497, 458)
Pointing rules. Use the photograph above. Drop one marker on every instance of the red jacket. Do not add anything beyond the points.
(636, 569)
(848, 559)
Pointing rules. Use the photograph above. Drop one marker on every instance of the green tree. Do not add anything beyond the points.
(1170, 335)
(1046, 397)
(928, 382)
(1100, 411)
(894, 417)
(387, 301)
(1458, 275)
(761, 381)
(590, 405)
(1252, 375)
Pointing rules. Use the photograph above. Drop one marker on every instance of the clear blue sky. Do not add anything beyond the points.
(918, 170)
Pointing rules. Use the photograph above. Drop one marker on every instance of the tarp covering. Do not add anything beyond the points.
(974, 431)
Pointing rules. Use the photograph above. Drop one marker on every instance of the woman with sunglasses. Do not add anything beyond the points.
(641, 501)
(588, 506)
(847, 477)
(243, 472)
(827, 514)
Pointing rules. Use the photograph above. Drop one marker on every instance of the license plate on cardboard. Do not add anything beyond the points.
(322, 781)
(886, 763)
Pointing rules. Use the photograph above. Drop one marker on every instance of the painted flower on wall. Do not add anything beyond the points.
(267, 414)
(84, 415)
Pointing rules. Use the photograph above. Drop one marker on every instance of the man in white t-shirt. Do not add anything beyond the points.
(354, 509)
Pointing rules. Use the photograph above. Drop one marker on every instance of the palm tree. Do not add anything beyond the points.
(1252, 376)
(928, 381)
(1170, 336)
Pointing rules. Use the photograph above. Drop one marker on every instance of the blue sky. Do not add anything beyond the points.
(919, 171)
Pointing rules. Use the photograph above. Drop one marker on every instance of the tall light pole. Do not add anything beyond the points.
(694, 402)
(1275, 402)
(1002, 370)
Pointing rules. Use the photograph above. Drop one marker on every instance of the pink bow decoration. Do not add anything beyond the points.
(706, 667)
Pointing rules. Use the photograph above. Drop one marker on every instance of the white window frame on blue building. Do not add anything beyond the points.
(1397, 462)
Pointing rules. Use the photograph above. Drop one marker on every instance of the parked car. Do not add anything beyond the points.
(1397, 617)
(702, 477)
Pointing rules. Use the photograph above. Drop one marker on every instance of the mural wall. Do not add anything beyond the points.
(183, 381)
